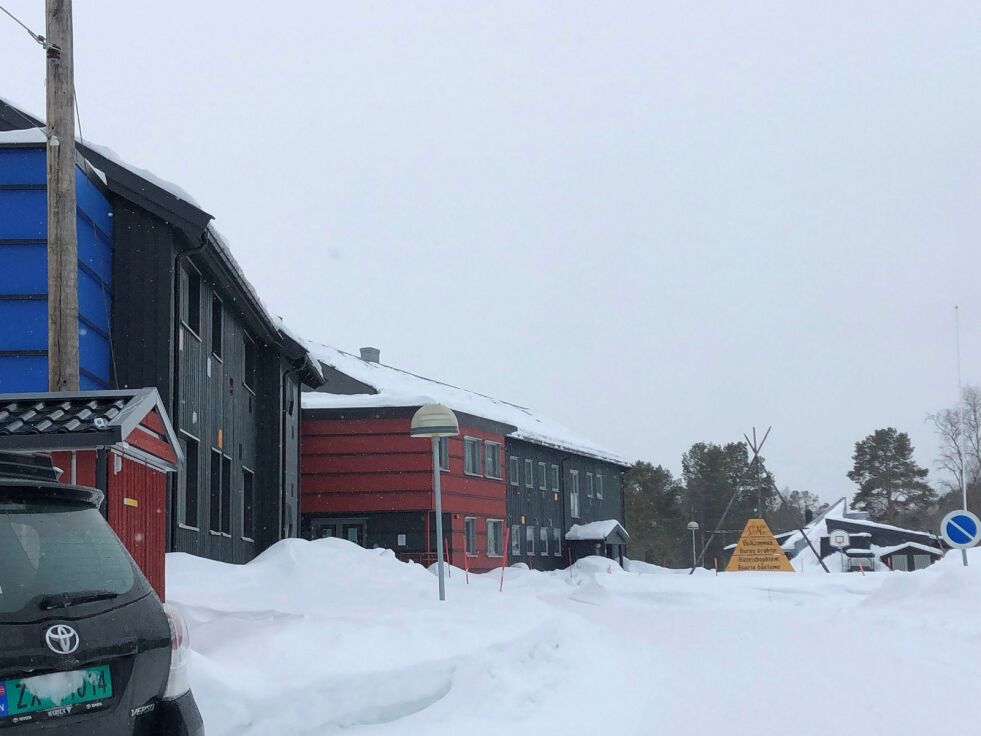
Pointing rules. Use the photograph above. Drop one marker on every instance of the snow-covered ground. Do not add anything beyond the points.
(325, 637)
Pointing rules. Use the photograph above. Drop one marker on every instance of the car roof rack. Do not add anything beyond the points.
(27, 466)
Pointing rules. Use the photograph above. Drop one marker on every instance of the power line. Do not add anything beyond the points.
(36, 36)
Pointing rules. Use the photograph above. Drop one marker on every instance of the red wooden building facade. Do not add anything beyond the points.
(365, 479)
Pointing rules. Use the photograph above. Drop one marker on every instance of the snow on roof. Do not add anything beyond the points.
(859, 552)
(31, 135)
(597, 530)
(399, 388)
(148, 176)
(816, 529)
(883, 551)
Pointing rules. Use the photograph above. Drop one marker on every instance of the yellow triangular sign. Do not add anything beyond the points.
(758, 551)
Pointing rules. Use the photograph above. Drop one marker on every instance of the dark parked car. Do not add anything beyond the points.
(86, 647)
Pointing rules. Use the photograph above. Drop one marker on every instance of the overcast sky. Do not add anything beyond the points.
(659, 223)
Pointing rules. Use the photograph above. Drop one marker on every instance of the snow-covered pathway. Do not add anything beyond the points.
(325, 637)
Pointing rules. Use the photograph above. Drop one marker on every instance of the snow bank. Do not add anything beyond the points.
(325, 637)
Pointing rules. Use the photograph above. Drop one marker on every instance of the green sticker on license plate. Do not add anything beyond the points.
(57, 690)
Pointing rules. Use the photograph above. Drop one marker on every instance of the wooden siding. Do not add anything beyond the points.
(370, 468)
(136, 504)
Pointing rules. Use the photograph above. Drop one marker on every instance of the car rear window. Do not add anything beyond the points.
(57, 547)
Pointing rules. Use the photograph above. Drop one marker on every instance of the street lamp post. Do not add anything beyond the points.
(693, 527)
(436, 421)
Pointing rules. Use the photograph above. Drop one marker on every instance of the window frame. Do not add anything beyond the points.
(555, 478)
(543, 535)
(514, 470)
(220, 355)
(468, 442)
(530, 541)
(248, 504)
(500, 525)
(543, 472)
(599, 486)
(214, 489)
(590, 487)
(529, 473)
(471, 522)
(247, 340)
(183, 522)
(488, 446)
(193, 276)
(574, 495)
(557, 538)
(444, 454)
(516, 540)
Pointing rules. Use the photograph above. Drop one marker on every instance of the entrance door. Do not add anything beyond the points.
(354, 533)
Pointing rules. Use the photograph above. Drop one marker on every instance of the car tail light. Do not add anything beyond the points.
(180, 653)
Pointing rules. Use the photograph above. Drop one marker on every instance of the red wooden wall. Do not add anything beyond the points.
(141, 522)
(356, 466)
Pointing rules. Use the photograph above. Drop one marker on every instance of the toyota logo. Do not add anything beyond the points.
(61, 639)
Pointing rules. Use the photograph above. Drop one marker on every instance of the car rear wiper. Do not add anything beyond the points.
(64, 600)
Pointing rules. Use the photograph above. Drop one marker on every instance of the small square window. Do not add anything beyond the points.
(471, 456)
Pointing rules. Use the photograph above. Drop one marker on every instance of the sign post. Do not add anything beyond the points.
(961, 530)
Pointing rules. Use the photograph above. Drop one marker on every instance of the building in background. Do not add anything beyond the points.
(162, 304)
(513, 482)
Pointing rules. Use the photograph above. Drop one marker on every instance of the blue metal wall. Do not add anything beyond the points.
(24, 279)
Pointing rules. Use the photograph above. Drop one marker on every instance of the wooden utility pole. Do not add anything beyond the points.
(62, 234)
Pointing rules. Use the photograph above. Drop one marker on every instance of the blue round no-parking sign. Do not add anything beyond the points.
(961, 529)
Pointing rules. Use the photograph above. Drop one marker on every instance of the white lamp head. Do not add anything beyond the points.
(434, 420)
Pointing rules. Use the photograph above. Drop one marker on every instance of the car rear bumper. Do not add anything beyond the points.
(179, 717)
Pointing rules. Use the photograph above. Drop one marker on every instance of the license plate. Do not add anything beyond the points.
(52, 696)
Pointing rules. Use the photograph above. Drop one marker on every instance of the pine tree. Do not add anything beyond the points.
(890, 482)
(654, 519)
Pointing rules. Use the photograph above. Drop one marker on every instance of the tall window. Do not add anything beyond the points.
(529, 474)
(589, 484)
(513, 470)
(471, 456)
(216, 327)
(557, 542)
(226, 494)
(251, 379)
(190, 517)
(555, 478)
(444, 453)
(193, 317)
(542, 476)
(214, 521)
(470, 532)
(599, 486)
(248, 504)
(515, 540)
(530, 540)
(574, 495)
(492, 460)
(543, 536)
(495, 538)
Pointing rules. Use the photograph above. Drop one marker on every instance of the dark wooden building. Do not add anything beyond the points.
(510, 474)
(171, 310)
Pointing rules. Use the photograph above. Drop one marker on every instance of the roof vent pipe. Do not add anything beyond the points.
(370, 355)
